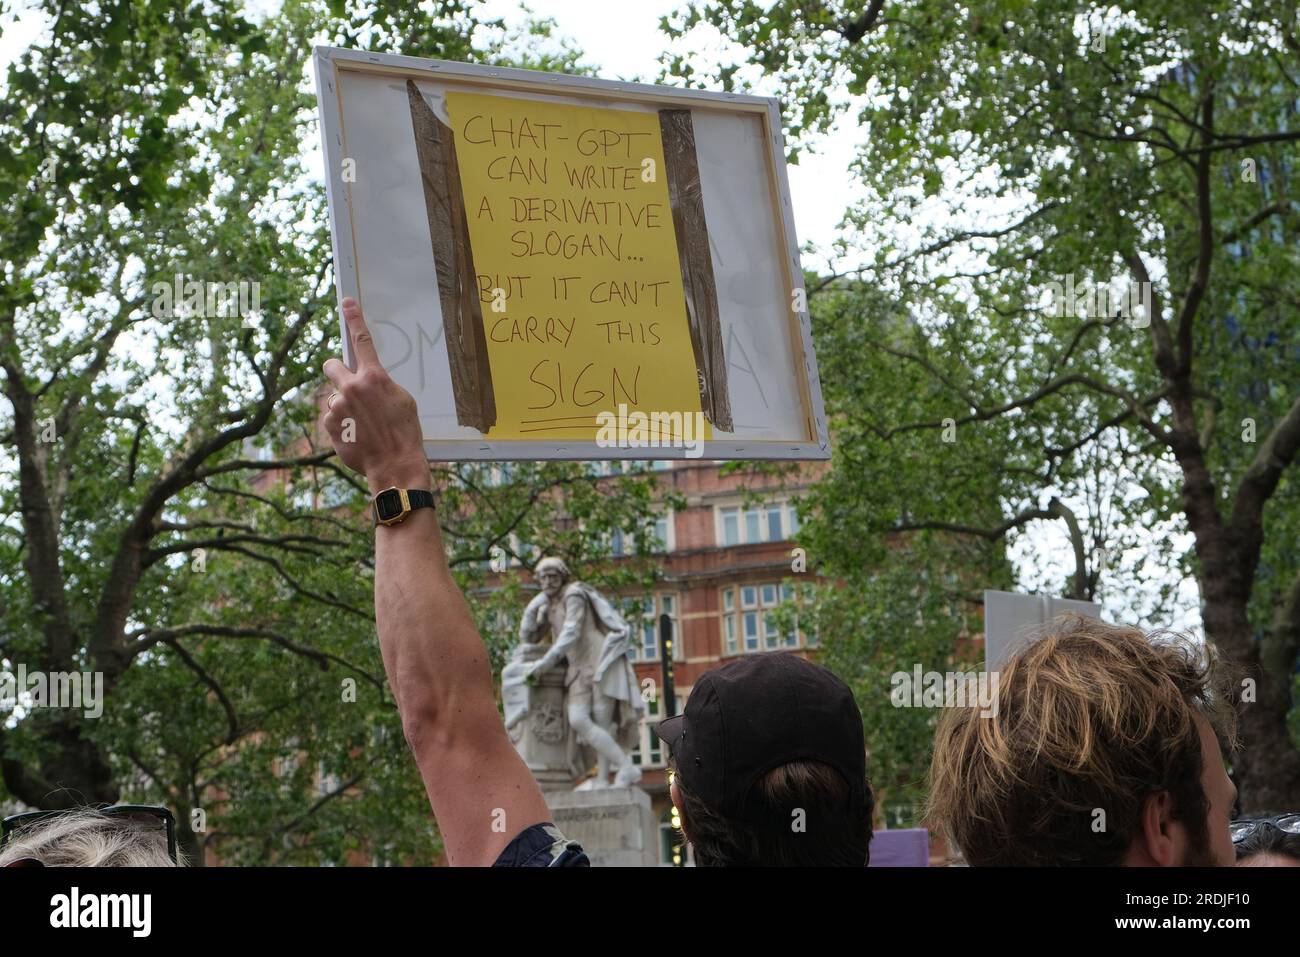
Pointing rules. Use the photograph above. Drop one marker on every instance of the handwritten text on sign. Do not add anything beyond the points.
(577, 263)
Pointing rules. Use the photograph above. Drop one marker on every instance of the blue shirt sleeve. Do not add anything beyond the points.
(542, 845)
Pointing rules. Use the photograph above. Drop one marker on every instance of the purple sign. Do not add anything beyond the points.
(905, 847)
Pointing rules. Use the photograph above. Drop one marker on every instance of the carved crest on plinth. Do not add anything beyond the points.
(548, 724)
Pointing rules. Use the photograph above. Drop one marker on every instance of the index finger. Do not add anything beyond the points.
(363, 344)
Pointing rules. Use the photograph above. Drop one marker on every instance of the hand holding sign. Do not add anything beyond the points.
(372, 421)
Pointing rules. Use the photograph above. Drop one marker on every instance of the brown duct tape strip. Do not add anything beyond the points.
(462, 315)
(687, 202)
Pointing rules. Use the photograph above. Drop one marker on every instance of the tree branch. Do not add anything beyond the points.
(147, 638)
(991, 534)
(1260, 479)
(855, 29)
(1063, 512)
(1205, 244)
(292, 543)
(232, 719)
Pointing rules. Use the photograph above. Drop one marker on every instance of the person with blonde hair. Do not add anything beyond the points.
(121, 835)
(1104, 749)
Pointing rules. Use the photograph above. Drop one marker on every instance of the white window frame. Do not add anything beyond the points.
(789, 521)
(637, 626)
(629, 538)
(670, 531)
(607, 467)
(767, 596)
(326, 781)
(648, 743)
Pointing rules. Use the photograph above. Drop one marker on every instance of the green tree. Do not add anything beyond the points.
(1013, 145)
(168, 520)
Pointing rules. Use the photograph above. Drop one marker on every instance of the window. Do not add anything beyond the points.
(627, 466)
(808, 598)
(622, 544)
(663, 534)
(729, 621)
(730, 526)
(501, 473)
(642, 616)
(774, 523)
(287, 765)
(645, 645)
(749, 525)
(747, 622)
(649, 750)
(327, 783)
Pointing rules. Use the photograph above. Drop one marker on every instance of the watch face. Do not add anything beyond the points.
(388, 504)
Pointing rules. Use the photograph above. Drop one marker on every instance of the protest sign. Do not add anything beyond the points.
(561, 267)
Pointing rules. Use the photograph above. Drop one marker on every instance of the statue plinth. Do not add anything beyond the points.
(615, 826)
(541, 735)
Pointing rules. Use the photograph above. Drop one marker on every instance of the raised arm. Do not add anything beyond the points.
(481, 792)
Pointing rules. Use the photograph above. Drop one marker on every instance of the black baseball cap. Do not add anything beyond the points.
(758, 713)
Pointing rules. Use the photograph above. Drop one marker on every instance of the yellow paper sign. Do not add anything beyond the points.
(572, 238)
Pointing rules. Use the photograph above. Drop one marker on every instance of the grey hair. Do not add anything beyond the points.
(552, 563)
(86, 838)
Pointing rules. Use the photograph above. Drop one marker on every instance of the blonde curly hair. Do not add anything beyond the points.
(1089, 716)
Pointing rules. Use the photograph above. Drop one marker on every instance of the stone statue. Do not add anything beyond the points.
(573, 702)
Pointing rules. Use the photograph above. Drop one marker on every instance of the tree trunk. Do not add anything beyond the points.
(1267, 766)
(187, 841)
(73, 774)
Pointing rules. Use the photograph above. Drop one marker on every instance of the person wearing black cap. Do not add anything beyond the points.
(769, 766)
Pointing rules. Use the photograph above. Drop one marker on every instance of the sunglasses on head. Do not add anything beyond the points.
(147, 815)
(1240, 830)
